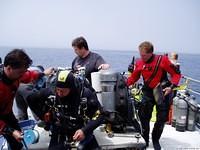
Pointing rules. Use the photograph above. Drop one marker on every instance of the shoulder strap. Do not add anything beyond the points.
(154, 71)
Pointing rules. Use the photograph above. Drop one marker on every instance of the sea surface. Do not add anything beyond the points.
(119, 60)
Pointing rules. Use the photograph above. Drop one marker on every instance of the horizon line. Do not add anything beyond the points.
(93, 49)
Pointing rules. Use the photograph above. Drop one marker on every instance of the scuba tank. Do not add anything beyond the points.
(104, 83)
(197, 119)
(112, 93)
(192, 111)
(181, 114)
(174, 112)
(96, 84)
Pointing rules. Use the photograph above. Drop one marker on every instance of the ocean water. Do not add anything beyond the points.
(119, 60)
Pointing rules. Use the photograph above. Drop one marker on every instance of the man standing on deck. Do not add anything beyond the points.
(152, 68)
(85, 58)
(12, 73)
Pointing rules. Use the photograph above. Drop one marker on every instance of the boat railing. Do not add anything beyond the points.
(189, 81)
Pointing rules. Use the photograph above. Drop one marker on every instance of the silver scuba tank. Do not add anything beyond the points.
(104, 83)
(192, 110)
(96, 84)
(181, 114)
(174, 111)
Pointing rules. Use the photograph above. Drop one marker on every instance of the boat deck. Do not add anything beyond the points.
(170, 140)
(175, 140)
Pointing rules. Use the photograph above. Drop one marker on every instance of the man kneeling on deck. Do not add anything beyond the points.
(71, 112)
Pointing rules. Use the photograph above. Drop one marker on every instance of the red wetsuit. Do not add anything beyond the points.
(146, 70)
(8, 89)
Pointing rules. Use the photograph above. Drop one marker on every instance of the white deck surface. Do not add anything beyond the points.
(170, 140)
(174, 140)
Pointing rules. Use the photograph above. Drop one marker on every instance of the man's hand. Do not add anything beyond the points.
(79, 135)
(17, 135)
(49, 71)
(103, 66)
(167, 90)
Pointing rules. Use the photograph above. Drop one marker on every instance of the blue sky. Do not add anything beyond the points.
(171, 25)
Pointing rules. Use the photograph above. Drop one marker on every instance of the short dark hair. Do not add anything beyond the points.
(146, 46)
(80, 42)
(17, 58)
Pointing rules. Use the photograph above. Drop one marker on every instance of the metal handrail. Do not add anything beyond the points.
(190, 79)
(193, 91)
(187, 80)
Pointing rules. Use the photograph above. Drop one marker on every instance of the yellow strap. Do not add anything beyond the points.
(183, 86)
(137, 94)
(96, 115)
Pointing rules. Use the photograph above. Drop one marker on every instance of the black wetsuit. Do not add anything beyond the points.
(70, 106)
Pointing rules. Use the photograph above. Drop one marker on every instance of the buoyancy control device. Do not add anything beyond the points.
(112, 93)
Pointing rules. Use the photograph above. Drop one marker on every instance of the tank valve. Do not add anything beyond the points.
(108, 130)
(137, 136)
